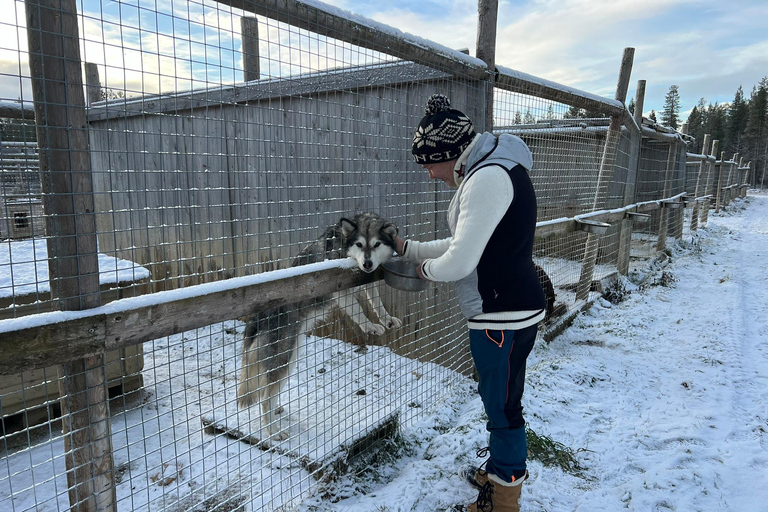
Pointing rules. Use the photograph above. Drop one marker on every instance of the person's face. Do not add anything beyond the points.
(442, 171)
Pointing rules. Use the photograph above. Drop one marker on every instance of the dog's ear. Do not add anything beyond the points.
(390, 230)
(347, 227)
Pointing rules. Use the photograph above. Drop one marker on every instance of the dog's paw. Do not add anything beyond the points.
(392, 323)
(376, 329)
(280, 435)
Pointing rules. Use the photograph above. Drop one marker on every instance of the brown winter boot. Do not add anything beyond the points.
(475, 477)
(498, 496)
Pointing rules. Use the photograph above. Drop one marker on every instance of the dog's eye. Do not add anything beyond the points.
(359, 244)
(377, 244)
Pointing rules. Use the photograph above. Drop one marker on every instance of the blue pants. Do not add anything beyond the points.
(500, 358)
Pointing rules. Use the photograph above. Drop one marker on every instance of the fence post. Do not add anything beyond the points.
(719, 190)
(697, 191)
(664, 213)
(710, 179)
(625, 236)
(65, 171)
(249, 33)
(92, 83)
(487, 14)
(678, 216)
(612, 138)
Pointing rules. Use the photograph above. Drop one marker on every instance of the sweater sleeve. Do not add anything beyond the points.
(422, 250)
(484, 201)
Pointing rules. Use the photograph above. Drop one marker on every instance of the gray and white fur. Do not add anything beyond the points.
(273, 337)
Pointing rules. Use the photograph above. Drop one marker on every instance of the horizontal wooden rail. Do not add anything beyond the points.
(17, 110)
(47, 339)
(524, 83)
(349, 79)
(345, 26)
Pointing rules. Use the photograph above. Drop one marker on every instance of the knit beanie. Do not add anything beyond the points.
(443, 133)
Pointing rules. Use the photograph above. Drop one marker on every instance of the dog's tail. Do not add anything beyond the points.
(270, 343)
(252, 378)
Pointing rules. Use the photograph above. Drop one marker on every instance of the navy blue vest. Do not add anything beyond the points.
(506, 277)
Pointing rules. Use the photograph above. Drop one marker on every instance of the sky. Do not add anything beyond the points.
(707, 47)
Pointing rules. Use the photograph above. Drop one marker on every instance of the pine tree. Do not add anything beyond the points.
(670, 116)
(528, 118)
(738, 115)
(652, 117)
(574, 113)
(696, 129)
(715, 122)
(756, 131)
(631, 106)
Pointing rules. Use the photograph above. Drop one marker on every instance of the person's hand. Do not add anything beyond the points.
(399, 245)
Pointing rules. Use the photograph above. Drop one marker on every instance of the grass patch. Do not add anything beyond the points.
(552, 453)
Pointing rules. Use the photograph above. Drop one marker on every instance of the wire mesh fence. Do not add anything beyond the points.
(217, 143)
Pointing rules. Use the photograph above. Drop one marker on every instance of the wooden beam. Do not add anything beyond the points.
(59, 337)
(354, 29)
(249, 34)
(310, 84)
(523, 83)
(92, 83)
(16, 110)
(487, 14)
(68, 204)
(607, 161)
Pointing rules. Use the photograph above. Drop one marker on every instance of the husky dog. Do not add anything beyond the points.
(272, 337)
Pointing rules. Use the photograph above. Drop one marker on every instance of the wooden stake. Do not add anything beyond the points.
(612, 139)
(92, 83)
(625, 235)
(65, 169)
(703, 166)
(487, 14)
(249, 32)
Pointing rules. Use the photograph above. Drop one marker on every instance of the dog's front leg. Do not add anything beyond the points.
(390, 322)
(349, 303)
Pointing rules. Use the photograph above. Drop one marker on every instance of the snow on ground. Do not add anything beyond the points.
(663, 397)
(24, 268)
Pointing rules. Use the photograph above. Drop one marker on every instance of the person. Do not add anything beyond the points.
(489, 255)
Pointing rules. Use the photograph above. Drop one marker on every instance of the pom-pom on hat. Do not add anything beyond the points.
(443, 133)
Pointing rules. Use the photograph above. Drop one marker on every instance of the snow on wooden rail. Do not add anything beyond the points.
(46, 339)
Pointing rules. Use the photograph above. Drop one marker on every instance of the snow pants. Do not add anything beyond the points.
(500, 358)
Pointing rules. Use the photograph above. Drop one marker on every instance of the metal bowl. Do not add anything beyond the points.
(401, 274)
(592, 226)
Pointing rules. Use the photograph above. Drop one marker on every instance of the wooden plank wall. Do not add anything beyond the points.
(234, 189)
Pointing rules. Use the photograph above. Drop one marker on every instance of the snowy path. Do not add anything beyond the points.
(665, 394)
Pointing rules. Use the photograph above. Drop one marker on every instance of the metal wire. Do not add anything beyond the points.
(219, 148)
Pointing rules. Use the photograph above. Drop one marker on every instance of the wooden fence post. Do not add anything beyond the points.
(710, 179)
(664, 212)
(704, 164)
(62, 134)
(92, 83)
(612, 138)
(678, 216)
(625, 236)
(487, 14)
(249, 33)
(719, 182)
